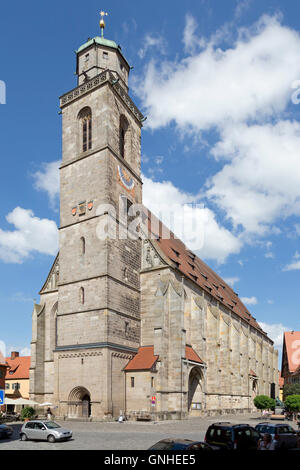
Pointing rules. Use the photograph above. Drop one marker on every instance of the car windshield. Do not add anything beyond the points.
(51, 425)
(265, 429)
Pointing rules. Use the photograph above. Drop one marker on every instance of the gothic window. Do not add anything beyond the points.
(85, 131)
(81, 295)
(132, 382)
(53, 328)
(124, 136)
(82, 245)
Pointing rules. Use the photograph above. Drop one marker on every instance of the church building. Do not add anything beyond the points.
(133, 325)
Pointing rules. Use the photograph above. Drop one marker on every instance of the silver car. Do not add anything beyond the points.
(44, 430)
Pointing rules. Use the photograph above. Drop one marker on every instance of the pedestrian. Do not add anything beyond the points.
(49, 414)
(266, 443)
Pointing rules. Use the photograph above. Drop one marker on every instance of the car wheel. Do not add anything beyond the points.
(23, 437)
(51, 439)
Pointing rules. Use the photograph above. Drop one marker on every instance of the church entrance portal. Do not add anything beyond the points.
(79, 403)
(195, 393)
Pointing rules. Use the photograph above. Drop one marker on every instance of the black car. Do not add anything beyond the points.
(283, 435)
(180, 444)
(229, 436)
(5, 431)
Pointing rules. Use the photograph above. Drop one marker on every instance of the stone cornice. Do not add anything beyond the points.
(96, 82)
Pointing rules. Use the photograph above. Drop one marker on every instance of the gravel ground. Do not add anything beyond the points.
(126, 436)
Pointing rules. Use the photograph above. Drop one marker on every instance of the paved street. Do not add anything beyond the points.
(126, 436)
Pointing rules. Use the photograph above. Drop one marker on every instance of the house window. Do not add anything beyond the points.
(85, 119)
(16, 386)
(7, 386)
(152, 382)
(132, 382)
(105, 55)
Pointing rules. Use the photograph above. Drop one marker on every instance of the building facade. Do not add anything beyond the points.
(290, 368)
(139, 324)
(17, 376)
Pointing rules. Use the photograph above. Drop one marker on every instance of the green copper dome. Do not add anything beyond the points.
(101, 42)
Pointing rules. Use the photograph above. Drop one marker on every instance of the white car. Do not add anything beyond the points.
(44, 430)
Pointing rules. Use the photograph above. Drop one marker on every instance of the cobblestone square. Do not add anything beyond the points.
(127, 435)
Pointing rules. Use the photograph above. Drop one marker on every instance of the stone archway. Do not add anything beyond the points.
(195, 391)
(79, 403)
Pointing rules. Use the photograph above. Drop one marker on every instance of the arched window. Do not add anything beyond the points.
(124, 136)
(81, 295)
(82, 245)
(85, 131)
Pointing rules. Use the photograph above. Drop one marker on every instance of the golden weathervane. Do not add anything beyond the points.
(102, 22)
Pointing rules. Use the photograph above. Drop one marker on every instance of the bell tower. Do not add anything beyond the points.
(98, 315)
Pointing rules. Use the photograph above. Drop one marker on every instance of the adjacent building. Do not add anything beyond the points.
(132, 324)
(290, 368)
(3, 367)
(17, 376)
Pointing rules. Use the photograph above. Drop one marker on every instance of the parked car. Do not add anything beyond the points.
(5, 431)
(229, 436)
(180, 444)
(284, 435)
(44, 430)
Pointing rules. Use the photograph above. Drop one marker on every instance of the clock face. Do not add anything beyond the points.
(125, 179)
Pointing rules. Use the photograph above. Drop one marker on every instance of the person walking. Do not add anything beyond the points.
(49, 414)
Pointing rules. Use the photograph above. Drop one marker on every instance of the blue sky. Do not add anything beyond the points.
(216, 81)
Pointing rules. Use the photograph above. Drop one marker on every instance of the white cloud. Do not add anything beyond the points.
(2, 349)
(261, 182)
(249, 300)
(231, 280)
(237, 91)
(275, 332)
(152, 41)
(294, 265)
(190, 39)
(25, 351)
(250, 80)
(31, 234)
(195, 224)
(48, 180)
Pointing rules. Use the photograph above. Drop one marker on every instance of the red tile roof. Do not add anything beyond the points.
(291, 346)
(18, 368)
(145, 358)
(191, 355)
(198, 272)
(281, 381)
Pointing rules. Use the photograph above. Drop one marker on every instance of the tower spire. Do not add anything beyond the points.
(102, 22)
